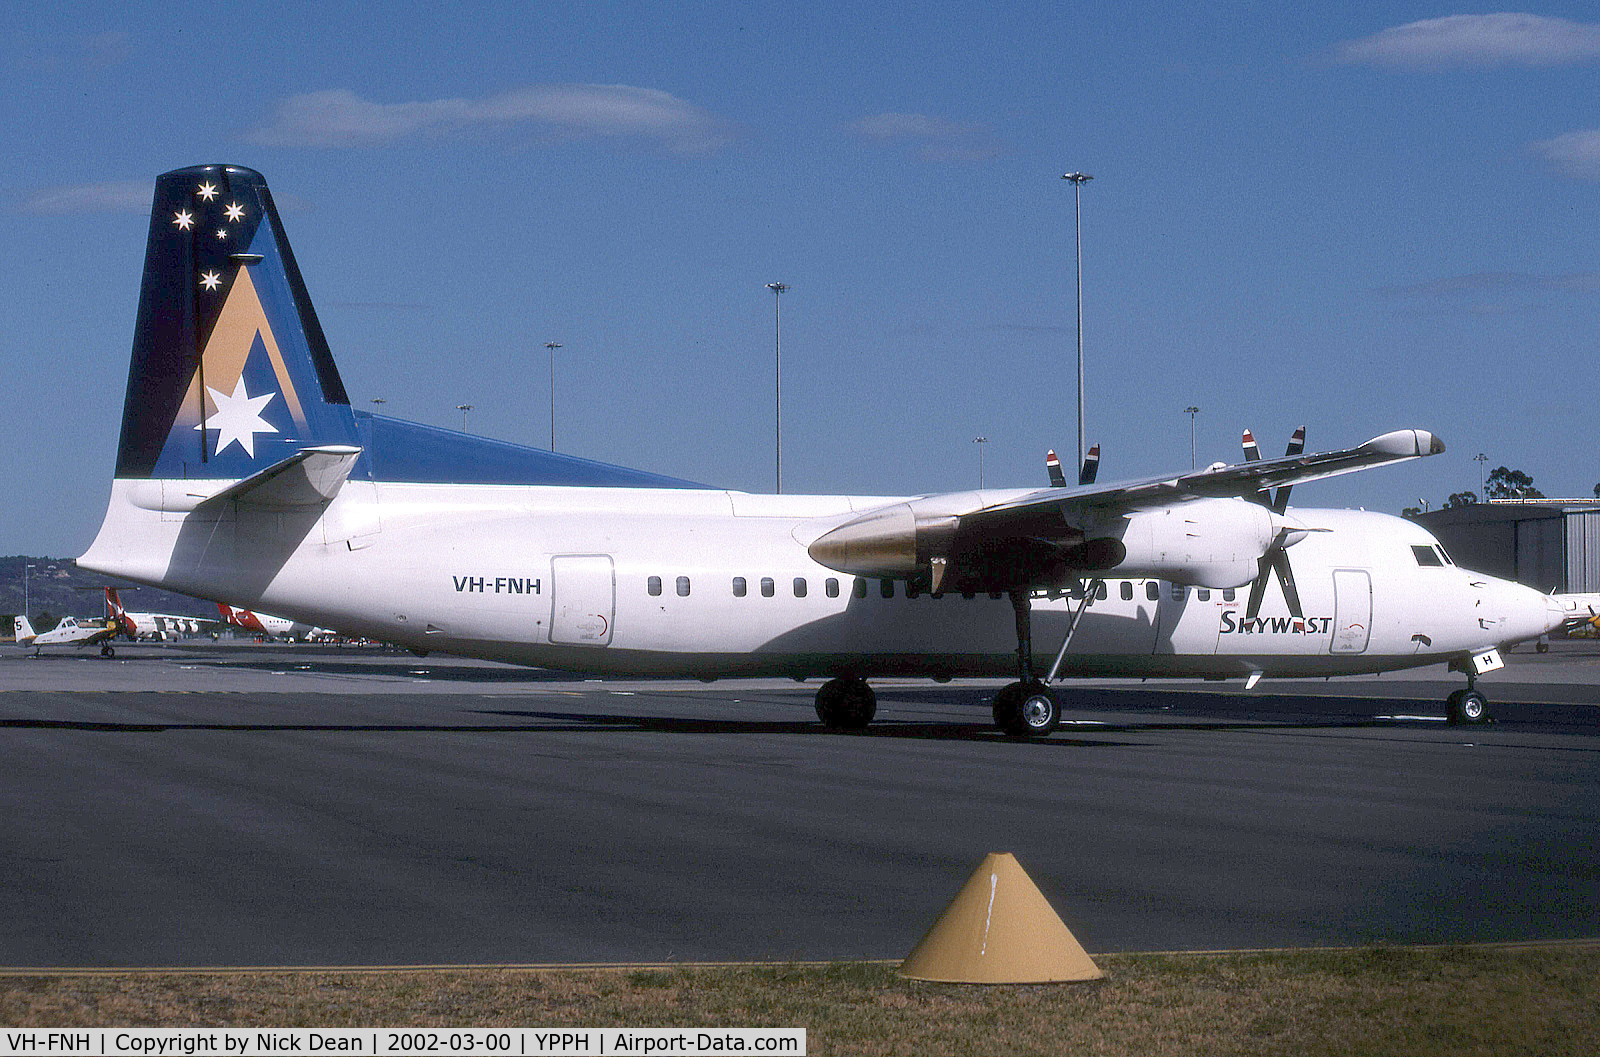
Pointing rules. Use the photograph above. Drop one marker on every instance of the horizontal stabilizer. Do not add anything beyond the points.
(310, 477)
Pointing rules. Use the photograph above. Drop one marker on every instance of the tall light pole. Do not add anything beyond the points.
(377, 404)
(1078, 180)
(777, 375)
(1191, 411)
(25, 568)
(463, 408)
(552, 346)
(1483, 462)
(980, 442)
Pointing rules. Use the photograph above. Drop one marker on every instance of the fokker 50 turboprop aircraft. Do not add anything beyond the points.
(245, 476)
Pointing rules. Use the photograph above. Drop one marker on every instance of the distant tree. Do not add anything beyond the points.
(1506, 483)
(1597, 490)
(1411, 511)
(1461, 499)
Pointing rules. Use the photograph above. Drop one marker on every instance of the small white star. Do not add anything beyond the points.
(238, 418)
(184, 219)
(235, 211)
(222, 233)
(211, 280)
(207, 190)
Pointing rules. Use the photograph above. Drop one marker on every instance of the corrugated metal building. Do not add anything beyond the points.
(1547, 544)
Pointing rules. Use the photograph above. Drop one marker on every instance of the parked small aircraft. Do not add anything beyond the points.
(70, 632)
(244, 475)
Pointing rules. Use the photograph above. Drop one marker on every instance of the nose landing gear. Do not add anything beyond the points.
(1467, 706)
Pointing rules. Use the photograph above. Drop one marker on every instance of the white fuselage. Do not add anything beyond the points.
(646, 581)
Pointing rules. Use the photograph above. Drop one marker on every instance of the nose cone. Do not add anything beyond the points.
(1527, 613)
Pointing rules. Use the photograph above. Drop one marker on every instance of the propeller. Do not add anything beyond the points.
(1276, 558)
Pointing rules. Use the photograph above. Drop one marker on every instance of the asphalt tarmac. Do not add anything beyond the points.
(239, 805)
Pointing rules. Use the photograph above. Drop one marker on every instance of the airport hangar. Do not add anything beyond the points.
(1546, 544)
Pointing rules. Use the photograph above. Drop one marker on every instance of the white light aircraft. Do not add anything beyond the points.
(245, 475)
(70, 632)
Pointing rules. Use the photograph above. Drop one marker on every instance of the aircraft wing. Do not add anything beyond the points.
(1240, 480)
(1185, 527)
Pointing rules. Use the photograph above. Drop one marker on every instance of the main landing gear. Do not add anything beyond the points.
(846, 703)
(1025, 708)
(106, 650)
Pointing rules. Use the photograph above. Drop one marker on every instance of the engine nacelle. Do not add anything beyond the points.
(1203, 542)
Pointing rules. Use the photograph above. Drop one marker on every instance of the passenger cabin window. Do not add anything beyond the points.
(1100, 592)
(912, 590)
(1127, 590)
(830, 587)
(886, 588)
(768, 587)
(859, 588)
(738, 587)
(1426, 555)
(1177, 592)
(799, 586)
(1227, 594)
(1204, 594)
(653, 585)
(1152, 589)
(683, 587)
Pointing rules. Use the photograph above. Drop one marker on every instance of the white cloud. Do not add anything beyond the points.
(340, 118)
(1504, 39)
(126, 196)
(934, 138)
(1576, 154)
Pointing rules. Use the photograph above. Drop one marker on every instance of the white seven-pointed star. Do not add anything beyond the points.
(211, 280)
(207, 190)
(222, 233)
(184, 219)
(238, 418)
(235, 211)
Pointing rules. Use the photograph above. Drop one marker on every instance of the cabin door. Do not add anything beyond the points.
(583, 599)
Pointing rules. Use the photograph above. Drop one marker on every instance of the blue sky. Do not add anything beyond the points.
(1356, 217)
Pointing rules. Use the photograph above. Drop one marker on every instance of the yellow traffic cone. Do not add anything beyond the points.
(999, 930)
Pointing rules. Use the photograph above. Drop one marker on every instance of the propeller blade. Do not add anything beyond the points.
(1252, 453)
(1091, 466)
(1053, 464)
(1258, 587)
(1297, 444)
(1280, 565)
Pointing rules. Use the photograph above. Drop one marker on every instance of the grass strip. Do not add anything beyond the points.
(1452, 1001)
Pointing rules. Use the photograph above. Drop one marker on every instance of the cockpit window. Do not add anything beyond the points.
(1443, 553)
(1426, 555)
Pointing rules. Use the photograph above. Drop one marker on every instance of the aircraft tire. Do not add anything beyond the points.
(108, 651)
(1026, 710)
(846, 704)
(1467, 707)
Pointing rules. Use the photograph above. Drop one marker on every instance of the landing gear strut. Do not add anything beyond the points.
(846, 703)
(1025, 708)
(1468, 706)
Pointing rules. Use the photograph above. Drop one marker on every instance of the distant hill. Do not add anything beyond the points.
(53, 589)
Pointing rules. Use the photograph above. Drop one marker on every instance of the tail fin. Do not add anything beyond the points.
(231, 372)
(24, 630)
(116, 614)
